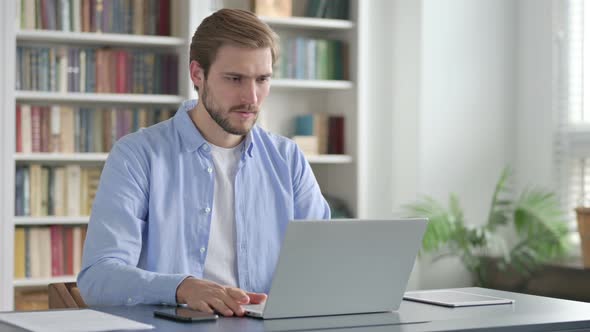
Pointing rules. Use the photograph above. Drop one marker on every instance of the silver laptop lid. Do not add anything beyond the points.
(343, 267)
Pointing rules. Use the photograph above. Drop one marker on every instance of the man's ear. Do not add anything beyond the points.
(197, 74)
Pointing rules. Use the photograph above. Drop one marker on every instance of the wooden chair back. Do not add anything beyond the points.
(65, 295)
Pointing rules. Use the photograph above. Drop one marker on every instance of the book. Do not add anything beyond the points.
(55, 142)
(59, 191)
(26, 130)
(77, 241)
(19, 179)
(19, 253)
(44, 191)
(68, 246)
(57, 250)
(19, 138)
(83, 194)
(273, 8)
(73, 174)
(314, 125)
(36, 128)
(307, 144)
(34, 243)
(67, 129)
(45, 129)
(336, 135)
(26, 191)
(28, 252)
(35, 189)
(45, 255)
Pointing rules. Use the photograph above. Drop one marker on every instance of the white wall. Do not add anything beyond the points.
(391, 43)
(535, 117)
(377, 113)
(466, 133)
(406, 63)
(443, 79)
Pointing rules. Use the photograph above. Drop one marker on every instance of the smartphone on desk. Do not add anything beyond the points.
(184, 315)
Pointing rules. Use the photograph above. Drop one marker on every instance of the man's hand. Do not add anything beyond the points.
(207, 296)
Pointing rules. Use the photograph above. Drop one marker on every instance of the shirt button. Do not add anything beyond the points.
(202, 250)
(209, 170)
(206, 148)
(207, 210)
(129, 300)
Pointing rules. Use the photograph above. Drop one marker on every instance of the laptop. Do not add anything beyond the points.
(340, 267)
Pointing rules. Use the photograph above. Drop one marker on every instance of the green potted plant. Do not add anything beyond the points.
(533, 220)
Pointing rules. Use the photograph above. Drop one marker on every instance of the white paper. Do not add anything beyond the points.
(70, 321)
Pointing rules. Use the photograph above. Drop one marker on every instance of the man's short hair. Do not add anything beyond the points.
(230, 26)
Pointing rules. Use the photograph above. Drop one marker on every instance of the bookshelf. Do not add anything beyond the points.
(60, 157)
(338, 175)
(42, 282)
(59, 220)
(89, 38)
(285, 83)
(186, 14)
(308, 23)
(96, 98)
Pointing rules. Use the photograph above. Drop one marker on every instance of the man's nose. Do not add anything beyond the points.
(249, 91)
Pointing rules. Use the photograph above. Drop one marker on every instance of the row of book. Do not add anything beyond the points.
(313, 59)
(320, 133)
(48, 251)
(335, 9)
(72, 69)
(69, 129)
(42, 190)
(140, 17)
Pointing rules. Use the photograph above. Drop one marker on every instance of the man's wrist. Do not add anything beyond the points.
(180, 298)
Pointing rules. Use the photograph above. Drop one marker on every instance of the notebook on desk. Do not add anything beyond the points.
(342, 267)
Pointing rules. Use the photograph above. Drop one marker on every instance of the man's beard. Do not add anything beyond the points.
(223, 121)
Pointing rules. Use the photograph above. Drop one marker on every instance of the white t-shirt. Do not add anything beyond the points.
(220, 264)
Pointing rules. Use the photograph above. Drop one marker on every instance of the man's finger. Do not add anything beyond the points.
(239, 295)
(232, 304)
(202, 306)
(256, 298)
(220, 307)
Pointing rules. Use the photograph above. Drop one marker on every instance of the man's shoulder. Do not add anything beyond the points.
(154, 137)
(271, 141)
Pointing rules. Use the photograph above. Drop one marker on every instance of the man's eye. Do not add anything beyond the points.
(264, 79)
(234, 78)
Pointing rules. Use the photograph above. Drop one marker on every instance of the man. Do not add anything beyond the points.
(193, 210)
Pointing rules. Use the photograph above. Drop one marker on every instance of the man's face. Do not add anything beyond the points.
(237, 84)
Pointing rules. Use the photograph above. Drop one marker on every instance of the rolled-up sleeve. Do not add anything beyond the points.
(113, 245)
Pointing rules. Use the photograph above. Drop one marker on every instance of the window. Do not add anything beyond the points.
(573, 104)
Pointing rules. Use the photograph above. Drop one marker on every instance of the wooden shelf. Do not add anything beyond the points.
(311, 84)
(36, 282)
(90, 38)
(101, 157)
(308, 23)
(61, 157)
(96, 98)
(53, 220)
(329, 159)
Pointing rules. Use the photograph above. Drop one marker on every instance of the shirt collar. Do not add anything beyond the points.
(191, 136)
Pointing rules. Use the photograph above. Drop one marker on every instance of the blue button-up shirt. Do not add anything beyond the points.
(149, 227)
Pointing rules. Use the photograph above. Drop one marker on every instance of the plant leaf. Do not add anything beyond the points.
(441, 223)
(500, 206)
